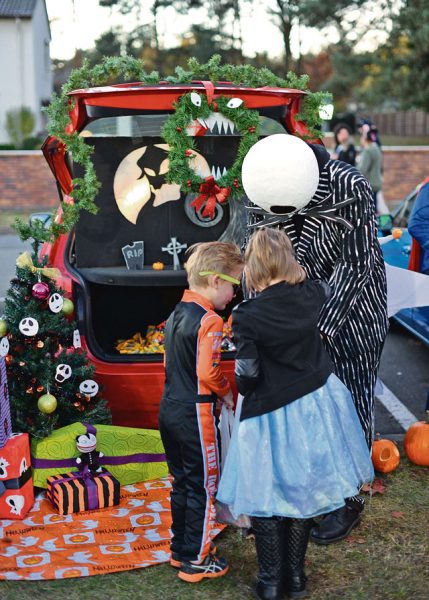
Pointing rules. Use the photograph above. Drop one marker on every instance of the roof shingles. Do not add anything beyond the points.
(17, 8)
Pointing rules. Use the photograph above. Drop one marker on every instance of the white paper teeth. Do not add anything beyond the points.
(218, 172)
(224, 125)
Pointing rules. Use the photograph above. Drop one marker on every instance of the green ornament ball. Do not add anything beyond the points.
(3, 327)
(68, 307)
(47, 404)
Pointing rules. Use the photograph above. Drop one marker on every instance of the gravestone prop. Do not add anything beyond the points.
(134, 256)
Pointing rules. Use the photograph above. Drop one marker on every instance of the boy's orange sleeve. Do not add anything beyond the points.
(209, 374)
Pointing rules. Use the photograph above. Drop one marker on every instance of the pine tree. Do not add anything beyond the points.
(46, 366)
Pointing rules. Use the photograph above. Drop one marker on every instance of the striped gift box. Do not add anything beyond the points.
(76, 492)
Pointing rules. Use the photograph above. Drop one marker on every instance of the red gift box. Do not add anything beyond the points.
(16, 484)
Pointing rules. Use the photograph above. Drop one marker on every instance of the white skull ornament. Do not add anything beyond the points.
(28, 326)
(56, 303)
(89, 387)
(63, 372)
(4, 346)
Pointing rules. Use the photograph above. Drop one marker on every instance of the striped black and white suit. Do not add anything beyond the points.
(354, 320)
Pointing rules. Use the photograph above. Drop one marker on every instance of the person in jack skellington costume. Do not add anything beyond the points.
(326, 208)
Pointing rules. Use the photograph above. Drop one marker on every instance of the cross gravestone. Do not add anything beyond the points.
(174, 248)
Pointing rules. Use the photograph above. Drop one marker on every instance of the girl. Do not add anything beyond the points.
(298, 449)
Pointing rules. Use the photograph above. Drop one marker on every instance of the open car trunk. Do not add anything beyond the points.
(115, 301)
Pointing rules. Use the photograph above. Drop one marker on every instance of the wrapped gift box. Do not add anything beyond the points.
(131, 455)
(16, 485)
(76, 492)
(5, 427)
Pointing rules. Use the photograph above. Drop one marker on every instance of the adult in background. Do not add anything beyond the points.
(344, 147)
(418, 227)
(371, 160)
(326, 207)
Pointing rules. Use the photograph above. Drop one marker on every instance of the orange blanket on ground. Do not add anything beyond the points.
(133, 535)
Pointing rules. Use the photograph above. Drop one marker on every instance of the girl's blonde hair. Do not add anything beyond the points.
(219, 257)
(269, 255)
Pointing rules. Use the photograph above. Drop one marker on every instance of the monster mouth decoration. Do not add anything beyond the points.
(216, 123)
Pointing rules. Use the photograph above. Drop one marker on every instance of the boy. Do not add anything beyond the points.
(193, 383)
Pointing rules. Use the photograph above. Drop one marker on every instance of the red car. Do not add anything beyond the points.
(112, 302)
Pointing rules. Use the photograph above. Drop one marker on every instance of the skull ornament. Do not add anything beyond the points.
(4, 346)
(16, 504)
(63, 372)
(89, 387)
(28, 326)
(56, 303)
(76, 339)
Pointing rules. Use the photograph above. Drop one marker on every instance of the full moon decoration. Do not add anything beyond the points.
(280, 174)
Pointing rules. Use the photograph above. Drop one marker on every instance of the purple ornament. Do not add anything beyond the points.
(40, 290)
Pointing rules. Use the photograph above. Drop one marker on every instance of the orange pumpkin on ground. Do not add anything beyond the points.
(385, 455)
(416, 442)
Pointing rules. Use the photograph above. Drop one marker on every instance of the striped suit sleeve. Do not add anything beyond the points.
(209, 374)
(354, 266)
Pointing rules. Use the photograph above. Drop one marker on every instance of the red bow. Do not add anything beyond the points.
(209, 193)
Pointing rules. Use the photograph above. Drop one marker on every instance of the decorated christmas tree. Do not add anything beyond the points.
(50, 381)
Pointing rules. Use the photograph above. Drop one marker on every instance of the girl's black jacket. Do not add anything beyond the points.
(280, 356)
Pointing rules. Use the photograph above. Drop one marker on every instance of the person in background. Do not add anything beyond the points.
(370, 161)
(187, 422)
(298, 449)
(344, 147)
(418, 227)
(368, 124)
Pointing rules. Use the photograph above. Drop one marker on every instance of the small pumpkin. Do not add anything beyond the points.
(385, 455)
(416, 442)
(158, 266)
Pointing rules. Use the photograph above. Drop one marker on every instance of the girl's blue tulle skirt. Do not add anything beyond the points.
(301, 460)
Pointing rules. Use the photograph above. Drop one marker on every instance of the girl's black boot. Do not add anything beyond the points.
(296, 535)
(269, 536)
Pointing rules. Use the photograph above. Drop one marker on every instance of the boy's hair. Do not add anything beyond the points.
(269, 255)
(219, 257)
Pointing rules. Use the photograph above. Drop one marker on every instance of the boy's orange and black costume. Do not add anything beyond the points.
(187, 422)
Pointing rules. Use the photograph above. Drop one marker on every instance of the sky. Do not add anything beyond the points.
(78, 24)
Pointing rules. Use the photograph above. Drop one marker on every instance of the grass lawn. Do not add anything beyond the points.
(386, 558)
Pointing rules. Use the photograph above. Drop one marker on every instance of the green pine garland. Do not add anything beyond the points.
(181, 145)
(127, 68)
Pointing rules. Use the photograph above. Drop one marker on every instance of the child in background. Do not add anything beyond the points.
(193, 383)
(298, 450)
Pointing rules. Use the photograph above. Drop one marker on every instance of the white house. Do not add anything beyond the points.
(25, 64)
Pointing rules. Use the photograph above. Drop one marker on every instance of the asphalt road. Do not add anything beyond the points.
(404, 368)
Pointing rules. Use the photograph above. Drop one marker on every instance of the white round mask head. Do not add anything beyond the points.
(280, 174)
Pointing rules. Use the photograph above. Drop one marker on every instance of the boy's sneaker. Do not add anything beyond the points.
(175, 560)
(212, 566)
